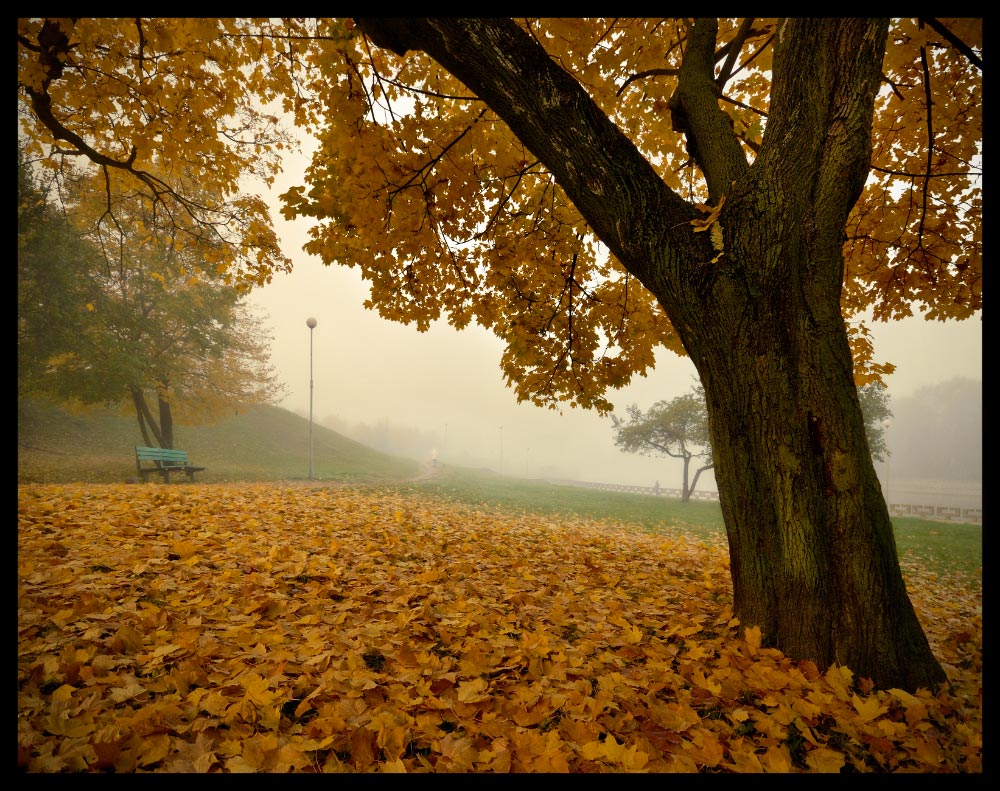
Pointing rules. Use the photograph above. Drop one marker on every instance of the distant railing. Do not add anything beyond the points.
(942, 513)
(624, 487)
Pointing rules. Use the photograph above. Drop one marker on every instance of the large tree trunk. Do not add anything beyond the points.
(813, 556)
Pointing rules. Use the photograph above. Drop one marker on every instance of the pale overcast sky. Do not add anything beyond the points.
(448, 383)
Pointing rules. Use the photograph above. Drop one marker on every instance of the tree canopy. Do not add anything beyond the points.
(875, 400)
(445, 211)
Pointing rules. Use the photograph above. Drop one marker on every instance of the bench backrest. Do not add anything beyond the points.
(168, 457)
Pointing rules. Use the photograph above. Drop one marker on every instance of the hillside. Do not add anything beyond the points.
(263, 443)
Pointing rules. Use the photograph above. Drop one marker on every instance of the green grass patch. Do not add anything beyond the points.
(942, 547)
(945, 547)
(702, 518)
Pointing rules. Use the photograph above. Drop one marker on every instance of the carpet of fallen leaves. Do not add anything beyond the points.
(241, 628)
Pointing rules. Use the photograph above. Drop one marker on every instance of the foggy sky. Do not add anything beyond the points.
(448, 383)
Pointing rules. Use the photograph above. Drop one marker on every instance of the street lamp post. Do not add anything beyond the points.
(311, 324)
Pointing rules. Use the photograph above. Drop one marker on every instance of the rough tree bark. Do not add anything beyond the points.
(813, 556)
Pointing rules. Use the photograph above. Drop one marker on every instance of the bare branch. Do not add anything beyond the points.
(954, 40)
(734, 52)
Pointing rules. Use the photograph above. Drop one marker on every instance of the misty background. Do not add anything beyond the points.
(441, 392)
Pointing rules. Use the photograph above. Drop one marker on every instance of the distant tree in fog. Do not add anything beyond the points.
(122, 319)
(938, 432)
(677, 428)
(875, 407)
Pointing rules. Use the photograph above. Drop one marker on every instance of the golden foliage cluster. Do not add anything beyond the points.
(179, 112)
(418, 184)
(259, 627)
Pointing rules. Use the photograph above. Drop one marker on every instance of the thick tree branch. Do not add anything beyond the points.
(609, 181)
(694, 109)
(818, 124)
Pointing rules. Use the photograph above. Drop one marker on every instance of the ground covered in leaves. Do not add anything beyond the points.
(239, 628)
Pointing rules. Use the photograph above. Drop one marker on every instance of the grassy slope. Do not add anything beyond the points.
(269, 443)
(264, 443)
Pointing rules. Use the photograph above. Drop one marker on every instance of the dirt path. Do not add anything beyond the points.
(428, 470)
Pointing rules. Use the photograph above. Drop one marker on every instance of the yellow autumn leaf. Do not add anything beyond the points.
(633, 759)
(677, 717)
(395, 766)
(473, 690)
(806, 708)
(64, 725)
(705, 682)
(904, 697)
(632, 634)
(129, 690)
(239, 764)
(204, 762)
(184, 549)
(154, 748)
(704, 224)
(459, 751)
(840, 679)
(698, 651)
(777, 760)
(611, 750)
(744, 759)
(706, 750)
(823, 759)
(215, 703)
(127, 640)
(868, 709)
(592, 750)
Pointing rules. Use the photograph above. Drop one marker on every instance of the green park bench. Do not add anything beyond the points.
(165, 461)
